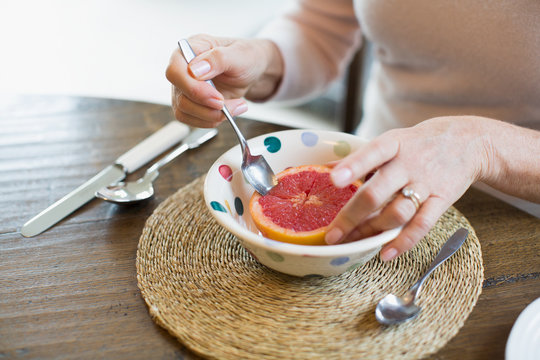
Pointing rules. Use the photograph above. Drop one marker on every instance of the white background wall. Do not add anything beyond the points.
(117, 48)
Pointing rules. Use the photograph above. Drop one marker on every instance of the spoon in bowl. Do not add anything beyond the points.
(255, 168)
(393, 309)
(142, 189)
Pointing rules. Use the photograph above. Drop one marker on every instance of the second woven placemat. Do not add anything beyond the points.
(205, 289)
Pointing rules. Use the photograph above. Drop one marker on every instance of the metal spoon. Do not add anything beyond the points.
(393, 310)
(254, 167)
(142, 189)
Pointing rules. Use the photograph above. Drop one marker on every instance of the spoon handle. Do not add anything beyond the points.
(189, 55)
(194, 139)
(447, 250)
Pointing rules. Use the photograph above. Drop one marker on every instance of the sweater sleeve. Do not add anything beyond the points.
(317, 39)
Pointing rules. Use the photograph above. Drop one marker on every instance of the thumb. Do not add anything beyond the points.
(202, 42)
(210, 60)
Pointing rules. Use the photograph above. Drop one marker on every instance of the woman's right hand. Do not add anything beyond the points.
(250, 68)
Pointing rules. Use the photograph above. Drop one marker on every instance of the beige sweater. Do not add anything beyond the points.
(432, 58)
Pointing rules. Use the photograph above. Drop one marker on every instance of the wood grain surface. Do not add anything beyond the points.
(71, 292)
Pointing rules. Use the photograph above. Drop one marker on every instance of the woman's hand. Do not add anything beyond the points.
(438, 159)
(239, 68)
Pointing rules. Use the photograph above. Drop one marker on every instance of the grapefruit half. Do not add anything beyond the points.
(301, 206)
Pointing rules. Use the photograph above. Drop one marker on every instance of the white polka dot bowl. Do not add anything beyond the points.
(227, 196)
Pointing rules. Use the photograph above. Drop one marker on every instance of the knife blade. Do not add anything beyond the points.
(130, 161)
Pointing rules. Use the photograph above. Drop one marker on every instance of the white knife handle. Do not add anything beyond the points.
(152, 146)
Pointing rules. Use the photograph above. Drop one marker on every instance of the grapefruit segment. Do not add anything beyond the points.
(301, 206)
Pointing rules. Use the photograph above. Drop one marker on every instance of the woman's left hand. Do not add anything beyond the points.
(437, 159)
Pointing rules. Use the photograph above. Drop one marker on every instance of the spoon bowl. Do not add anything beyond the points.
(130, 192)
(393, 309)
(258, 173)
(142, 189)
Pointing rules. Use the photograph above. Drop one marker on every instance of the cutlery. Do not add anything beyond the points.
(133, 159)
(142, 189)
(255, 168)
(393, 309)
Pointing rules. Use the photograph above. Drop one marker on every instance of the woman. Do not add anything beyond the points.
(452, 98)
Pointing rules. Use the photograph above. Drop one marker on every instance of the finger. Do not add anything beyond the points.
(361, 231)
(359, 163)
(371, 196)
(211, 63)
(226, 57)
(416, 229)
(332, 164)
(198, 91)
(236, 106)
(195, 115)
(199, 123)
(200, 116)
(397, 212)
(201, 43)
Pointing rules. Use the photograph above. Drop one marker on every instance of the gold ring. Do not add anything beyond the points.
(409, 193)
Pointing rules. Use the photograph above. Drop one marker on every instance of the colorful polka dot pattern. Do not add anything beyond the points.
(339, 261)
(226, 172)
(275, 256)
(309, 139)
(217, 206)
(273, 145)
(238, 206)
(342, 148)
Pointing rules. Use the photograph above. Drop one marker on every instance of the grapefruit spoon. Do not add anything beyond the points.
(301, 206)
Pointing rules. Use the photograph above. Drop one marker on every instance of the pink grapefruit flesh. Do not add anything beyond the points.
(301, 206)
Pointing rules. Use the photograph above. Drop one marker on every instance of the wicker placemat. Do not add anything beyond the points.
(207, 291)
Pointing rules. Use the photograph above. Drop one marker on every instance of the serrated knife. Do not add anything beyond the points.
(149, 148)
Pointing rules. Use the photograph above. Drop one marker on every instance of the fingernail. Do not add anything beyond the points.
(200, 68)
(389, 254)
(216, 103)
(333, 236)
(341, 177)
(240, 109)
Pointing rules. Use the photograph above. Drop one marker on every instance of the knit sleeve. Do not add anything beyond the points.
(317, 39)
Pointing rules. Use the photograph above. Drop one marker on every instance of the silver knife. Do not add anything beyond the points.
(149, 148)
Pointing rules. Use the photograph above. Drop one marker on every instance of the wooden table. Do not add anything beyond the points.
(71, 292)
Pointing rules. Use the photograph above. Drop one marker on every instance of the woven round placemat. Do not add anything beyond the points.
(203, 287)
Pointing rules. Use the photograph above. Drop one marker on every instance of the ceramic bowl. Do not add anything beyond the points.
(227, 196)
